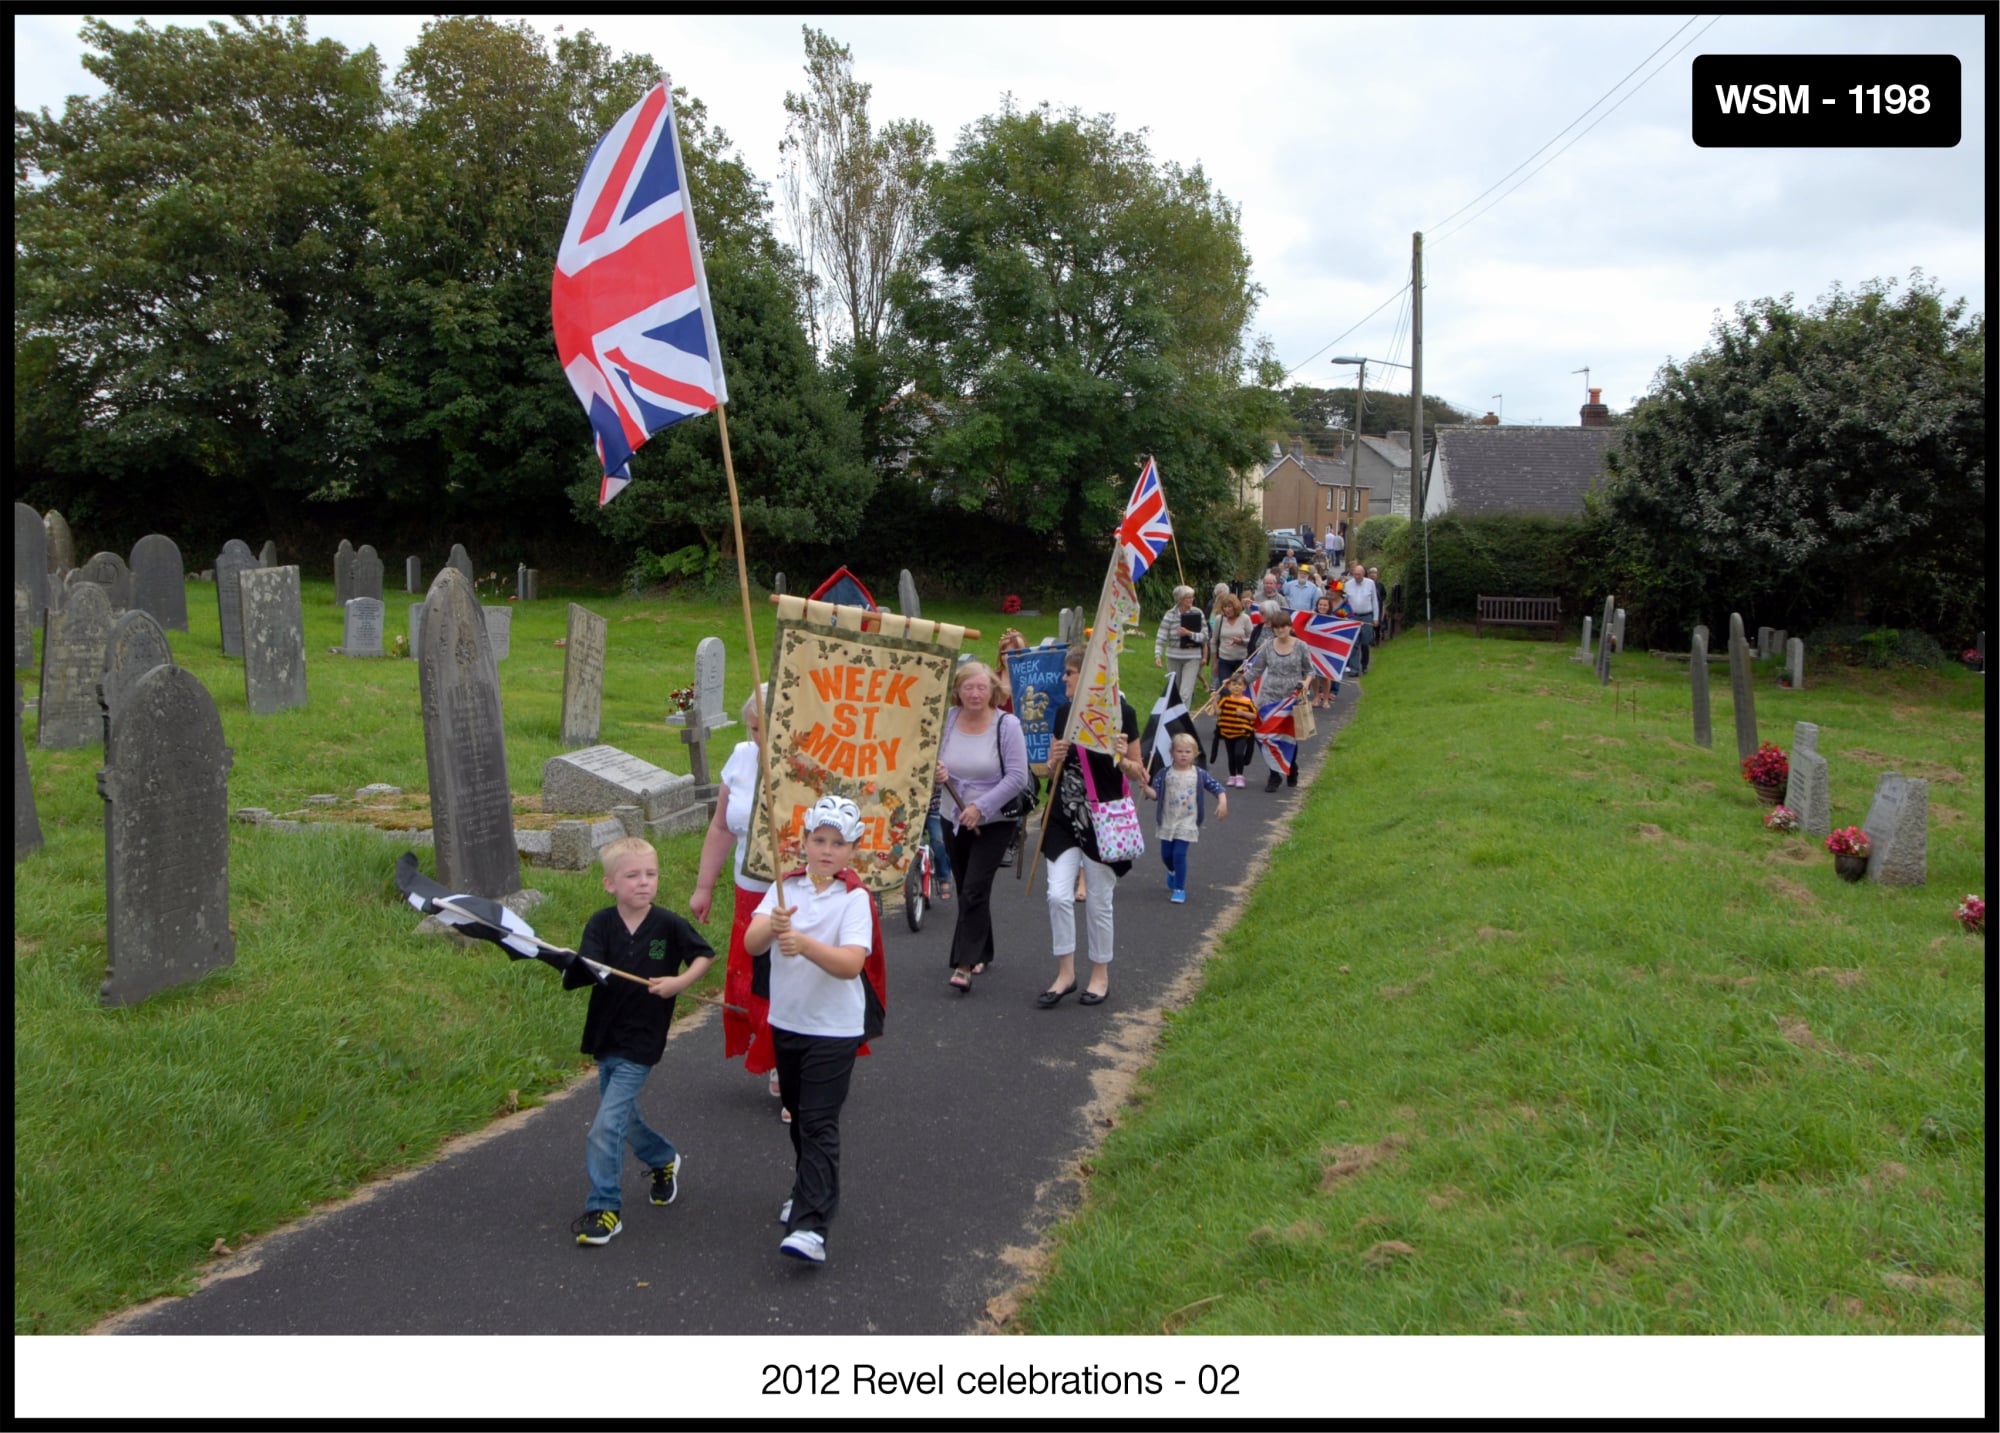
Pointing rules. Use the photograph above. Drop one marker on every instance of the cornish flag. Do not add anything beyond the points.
(1276, 733)
(635, 331)
(1328, 641)
(1147, 528)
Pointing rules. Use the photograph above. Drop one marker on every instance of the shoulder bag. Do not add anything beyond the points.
(1116, 823)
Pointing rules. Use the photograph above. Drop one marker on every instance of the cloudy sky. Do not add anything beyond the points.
(1340, 136)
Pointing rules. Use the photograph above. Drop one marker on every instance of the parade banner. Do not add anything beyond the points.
(1035, 676)
(1094, 716)
(857, 710)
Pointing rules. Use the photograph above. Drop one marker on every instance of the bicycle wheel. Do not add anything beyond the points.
(915, 901)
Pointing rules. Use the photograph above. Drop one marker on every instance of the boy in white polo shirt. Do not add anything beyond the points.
(818, 936)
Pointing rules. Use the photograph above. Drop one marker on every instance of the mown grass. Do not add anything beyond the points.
(1532, 1027)
(340, 1046)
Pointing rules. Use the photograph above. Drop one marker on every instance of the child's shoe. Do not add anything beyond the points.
(807, 1244)
(596, 1226)
(1180, 898)
(666, 1182)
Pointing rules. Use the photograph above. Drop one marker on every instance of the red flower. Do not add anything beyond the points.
(1010, 604)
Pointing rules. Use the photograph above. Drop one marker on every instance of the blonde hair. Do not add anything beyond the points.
(1232, 606)
(968, 670)
(614, 851)
(1194, 743)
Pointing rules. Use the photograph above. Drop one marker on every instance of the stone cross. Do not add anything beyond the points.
(31, 560)
(137, 646)
(583, 677)
(1795, 662)
(1605, 641)
(165, 785)
(364, 574)
(1806, 790)
(267, 555)
(62, 546)
(465, 745)
(1740, 689)
(361, 633)
(499, 631)
(343, 572)
(1898, 829)
(413, 574)
(27, 826)
(906, 595)
(234, 559)
(1698, 684)
(74, 640)
(463, 562)
(108, 570)
(1583, 652)
(159, 581)
(274, 640)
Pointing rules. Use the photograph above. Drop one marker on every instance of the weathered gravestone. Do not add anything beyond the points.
(1740, 693)
(108, 570)
(31, 559)
(137, 645)
(74, 641)
(24, 629)
(465, 749)
(361, 634)
(1778, 639)
(906, 595)
(274, 640)
(416, 626)
(527, 583)
(499, 631)
(778, 583)
(1583, 652)
(159, 580)
(1698, 686)
(598, 778)
(583, 677)
(1605, 641)
(709, 712)
(62, 545)
(1763, 643)
(230, 564)
(461, 560)
(413, 574)
(1069, 626)
(1806, 788)
(364, 577)
(267, 555)
(343, 572)
(27, 825)
(1795, 663)
(1618, 631)
(1701, 631)
(165, 785)
(1898, 827)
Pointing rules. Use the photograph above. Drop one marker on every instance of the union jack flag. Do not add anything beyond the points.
(1328, 641)
(635, 332)
(1276, 733)
(1147, 528)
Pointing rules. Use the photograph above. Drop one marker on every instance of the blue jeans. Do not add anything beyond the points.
(940, 857)
(1173, 855)
(618, 1122)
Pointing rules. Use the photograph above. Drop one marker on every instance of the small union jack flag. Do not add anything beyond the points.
(1276, 733)
(1328, 641)
(635, 332)
(1147, 528)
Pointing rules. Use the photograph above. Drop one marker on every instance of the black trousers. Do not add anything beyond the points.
(975, 860)
(1239, 752)
(813, 1074)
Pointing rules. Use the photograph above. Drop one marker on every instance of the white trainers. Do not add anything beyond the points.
(785, 1212)
(807, 1244)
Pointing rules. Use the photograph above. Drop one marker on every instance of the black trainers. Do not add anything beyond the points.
(666, 1182)
(596, 1226)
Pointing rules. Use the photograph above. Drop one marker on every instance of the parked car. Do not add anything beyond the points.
(1286, 542)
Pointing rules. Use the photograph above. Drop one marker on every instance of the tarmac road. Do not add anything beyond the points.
(960, 1140)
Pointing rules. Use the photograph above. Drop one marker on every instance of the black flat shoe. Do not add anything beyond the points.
(1272, 784)
(1093, 997)
(1049, 999)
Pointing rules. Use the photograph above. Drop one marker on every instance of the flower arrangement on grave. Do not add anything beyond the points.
(1971, 914)
(681, 700)
(399, 645)
(1782, 818)
(1970, 656)
(1848, 841)
(1010, 604)
(1766, 766)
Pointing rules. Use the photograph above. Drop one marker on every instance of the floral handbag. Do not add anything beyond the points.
(1115, 822)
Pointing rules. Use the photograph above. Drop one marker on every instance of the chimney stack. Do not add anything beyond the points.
(1594, 413)
(1401, 438)
(1299, 449)
(1491, 419)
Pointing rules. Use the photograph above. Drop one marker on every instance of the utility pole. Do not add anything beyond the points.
(1585, 371)
(1354, 453)
(1417, 374)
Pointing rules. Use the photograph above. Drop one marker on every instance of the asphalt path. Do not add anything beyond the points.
(960, 1145)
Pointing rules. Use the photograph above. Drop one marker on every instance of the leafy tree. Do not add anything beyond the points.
(1316, 414)
(1818, 460)
(1081, 306)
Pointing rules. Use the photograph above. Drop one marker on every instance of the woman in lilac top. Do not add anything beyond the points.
(985, 758)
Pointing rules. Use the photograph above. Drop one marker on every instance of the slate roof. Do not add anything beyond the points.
(1324, 471)
(1521, 468)
(1394, 454)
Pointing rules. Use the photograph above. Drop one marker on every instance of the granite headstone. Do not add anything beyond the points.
(906, 595)
(108, 570)
(462, 560)
(1698, 687)
(230, 564)
(708, 711)
(465, 748)
(1583, 652)
(74, 641)
(343, 572)
(62, 544)
(1741, 694)
(1806, 788)
(27, 825)
(364, 574)
(1795, 663)
(413, 574)
(1763, 643)
(267, 555)
(1898, 827)
(416, 617)
(24, 630)
(583, 677)
(598, 778)
(499, 631)
(1618, 631)
(159, 581)
(138, 644)
(274, 640)
(31, 559)
(361, 631)
(1605, 641)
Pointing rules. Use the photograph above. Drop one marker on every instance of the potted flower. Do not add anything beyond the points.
(1850, 852)
(1766, 770)
(1971, 914)
(679, 703)
(1971, 657)
(1782, 818)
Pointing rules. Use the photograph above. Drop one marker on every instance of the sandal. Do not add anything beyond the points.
(776, 1093)
(959, 982)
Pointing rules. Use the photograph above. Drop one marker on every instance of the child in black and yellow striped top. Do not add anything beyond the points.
(1235, 721)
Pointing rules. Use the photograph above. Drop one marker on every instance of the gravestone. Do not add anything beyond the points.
(159, 581)
(1698, 685)
(583, 677)
(74, 641)
(708, 704)
(343, 572)
(1618, 631)
(361, 632)
(527, 583)
(1806, 788)
(499, 631)
(1701, 630)
(24, 630)
(1583, 652)
(364, 575)
(267, 555)
(1980, 648)
(1069, 626)
(1605, 641)
(108, 570)
(137, 645)
(62, 545)
(1740, 689)
(598, 778)
(274, 640)
(461, 560)
(416, 626)
(230, 564)
(778, 583)
(1778, 640)
(1763, 643)
(31, 560)
(1898, 828)
(906, 595)
(1795, 662)
(27, 825)
(413, 574)
(165, 785)
(52, 600)
(465, 748)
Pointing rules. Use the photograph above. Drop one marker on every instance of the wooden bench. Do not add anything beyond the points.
(1519, 612)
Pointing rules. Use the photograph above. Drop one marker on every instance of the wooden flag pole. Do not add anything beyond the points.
(1172, 538)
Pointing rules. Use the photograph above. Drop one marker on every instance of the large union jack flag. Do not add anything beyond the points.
(634, 329)
(1276, 732)
(1329, 641)
(1147, 528)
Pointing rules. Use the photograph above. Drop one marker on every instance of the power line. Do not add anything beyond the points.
(1297, 367)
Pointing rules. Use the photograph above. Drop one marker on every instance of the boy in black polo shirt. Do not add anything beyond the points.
(625, 1029)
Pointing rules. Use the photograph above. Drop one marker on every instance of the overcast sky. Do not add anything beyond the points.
(1340, 136)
